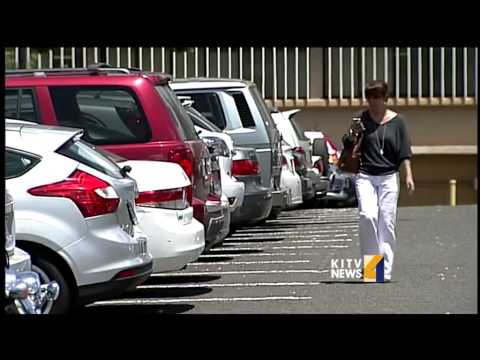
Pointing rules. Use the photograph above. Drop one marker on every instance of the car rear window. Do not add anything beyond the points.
(298, 129)
(178, 112)
(109, 115)
(200, 120)
(243, 109)
(87, 154)
(209, 105)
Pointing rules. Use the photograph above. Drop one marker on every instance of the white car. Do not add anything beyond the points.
(176, 238)
(289, 178)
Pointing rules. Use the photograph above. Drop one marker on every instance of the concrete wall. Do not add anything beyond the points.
(427, 125)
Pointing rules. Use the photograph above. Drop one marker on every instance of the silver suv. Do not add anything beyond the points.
(75, 215)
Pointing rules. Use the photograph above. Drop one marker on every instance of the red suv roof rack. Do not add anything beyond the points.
(93, 69)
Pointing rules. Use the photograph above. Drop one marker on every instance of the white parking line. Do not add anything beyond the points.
(250, 262)
(167, 301)
(174, 286)
(299, 241)
(307, 271)
(232, 239)
(233, 249)
(247, 255)
(312, 247)
(304, 229)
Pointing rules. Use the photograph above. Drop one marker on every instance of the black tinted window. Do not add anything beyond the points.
(209, 105)
(108, 115)
(243, 109)
(178, 112)
(298, 129)
(18, 163)
(200, 120)
(20, 104)
(87, 154)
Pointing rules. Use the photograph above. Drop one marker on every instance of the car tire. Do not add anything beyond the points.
(274, 213)
(50, 272)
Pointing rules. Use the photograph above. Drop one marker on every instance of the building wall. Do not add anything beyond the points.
(427, 125)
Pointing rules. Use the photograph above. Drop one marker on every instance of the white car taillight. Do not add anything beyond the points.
(173, 199)
(92, 195)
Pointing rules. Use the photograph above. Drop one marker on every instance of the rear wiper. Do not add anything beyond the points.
(125, 170)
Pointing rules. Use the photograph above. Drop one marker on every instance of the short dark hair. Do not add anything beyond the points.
(376, 88)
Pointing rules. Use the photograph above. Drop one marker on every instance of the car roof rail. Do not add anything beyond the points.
(92, 69)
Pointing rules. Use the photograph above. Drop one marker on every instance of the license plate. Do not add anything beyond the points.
(131, 213)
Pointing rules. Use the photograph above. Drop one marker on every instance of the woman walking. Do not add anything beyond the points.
(385, 146)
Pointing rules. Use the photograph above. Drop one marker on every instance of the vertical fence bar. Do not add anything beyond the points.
(185, 64)
(50, 58)
(385, 64)
(107, 55)
(476, 75)
(340, 71)
(251, 64)
(419, 64)
(62, 57)
(39, 60)
(430, 68)
(17, 58)
(207, 62)
(174, 64)
(465, 73)
(240, 56)
(308, 72)
(163, 59)
(285, 74)
(196, 62)
(274, 75)
(263, 72)
(363, 73)
(329, 71)
(409, 73)
(442, 72)
(27, 61)
(229, 62)
(140, 57)
(218, 62)
(118, 57)
(454, 72)
(352, 79)
(296, 73)
(129, 57)
(95, 55)
(152, 59)
(397, 73)
(374, 50)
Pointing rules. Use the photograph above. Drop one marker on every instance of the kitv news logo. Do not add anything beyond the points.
(352, 269)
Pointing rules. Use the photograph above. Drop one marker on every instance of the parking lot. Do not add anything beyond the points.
(283, 267)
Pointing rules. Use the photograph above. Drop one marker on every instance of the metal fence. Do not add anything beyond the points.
(299, 76)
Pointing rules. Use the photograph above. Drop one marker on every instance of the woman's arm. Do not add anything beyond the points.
(408, 176)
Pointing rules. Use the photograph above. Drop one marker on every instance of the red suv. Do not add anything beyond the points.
(126, 111)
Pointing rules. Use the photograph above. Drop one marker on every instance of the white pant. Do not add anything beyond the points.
(377, 202)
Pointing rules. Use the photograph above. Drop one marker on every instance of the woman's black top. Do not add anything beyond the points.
(392, 137)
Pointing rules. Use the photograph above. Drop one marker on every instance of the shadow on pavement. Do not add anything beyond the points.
(238, 251)
(216, 259)
(180, 279)
(138, 309)
(166, 292)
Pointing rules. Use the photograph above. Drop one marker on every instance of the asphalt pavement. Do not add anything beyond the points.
(284, 267)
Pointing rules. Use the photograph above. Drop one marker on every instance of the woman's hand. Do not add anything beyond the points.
(410, 184)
